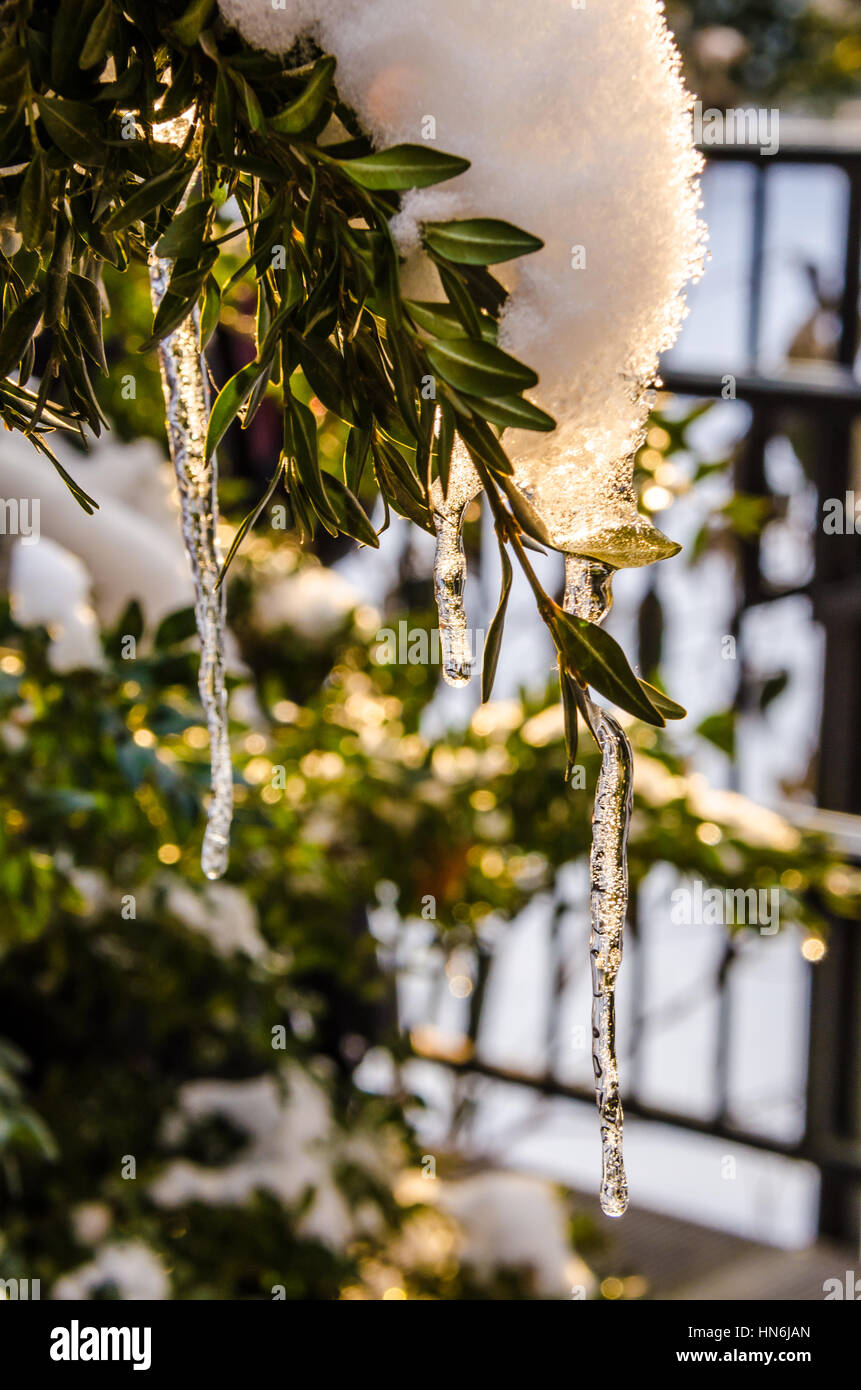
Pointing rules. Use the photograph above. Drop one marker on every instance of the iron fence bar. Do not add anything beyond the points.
(848, 345)
(757, 253)
(838, 1157)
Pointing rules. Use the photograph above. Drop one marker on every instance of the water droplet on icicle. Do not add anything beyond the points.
(449, 571)
(186, 398)
(587, 595)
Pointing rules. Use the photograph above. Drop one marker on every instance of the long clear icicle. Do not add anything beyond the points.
(587, 595)
(449, 571)
(186, 399)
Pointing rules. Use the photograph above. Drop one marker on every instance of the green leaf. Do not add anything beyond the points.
(246, 525)
(256, 118)
(570, 706)
(483, 444)
(57, 277)
(402, 167)
(302, 112)
(225, 114)
(719, 729)
(493, 641)
(18, 330)
(443, 321)
(399, 486)
(131, 622)
(14, 61)
(352, 517)
(300, 442)
(96, 43)
(479, 368)
(85, 313)
(356, 452)
(210, 312)
(74, 128)
(479, 241)
(190, 24)
(83, 499)
(511, 412)
(184, 236)
(229, 401)
(592, 654)
(527, 517)
(663, 704)
(404, 370)
(323, 368)
(148, 196)
(34, 204)
(461, 300)
(444, 444)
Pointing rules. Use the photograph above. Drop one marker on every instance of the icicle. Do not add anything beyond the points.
(587, 595)
(449, 571)
(186, 399)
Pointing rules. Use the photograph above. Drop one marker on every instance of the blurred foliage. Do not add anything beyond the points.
(797, 53)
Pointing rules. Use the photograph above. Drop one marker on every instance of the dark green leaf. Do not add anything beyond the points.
(256, 118)
(87, 503)
(512, 412)
(444, 444)
(96, 43)
(570, 706)
(151, 194)
(355, 456)
(300, 442)
(483, 443)
(229, 401)
(719, 729)
(74, 128)
(402, 167)
(210, 311)
(85, 313)
(663, 704)
(478, 367)
(34, 204)
(479, 241)
(352, 518)
(592, 654)
(184, 236)
(246, 525)
(462, 302)
(323, 367)
(404, 369)
(527, 517)
(18, 330)
(399, 486)
(493, 640)
(187, 28)
(225, 114)
(131, 623)
(302, 112)
(443, 321)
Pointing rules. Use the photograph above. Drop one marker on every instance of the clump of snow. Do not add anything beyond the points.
(294, 1146)
(577, 125)
(502, 1221)
(222, 913)
(314, 601)
(49, 587)
(130, 1267)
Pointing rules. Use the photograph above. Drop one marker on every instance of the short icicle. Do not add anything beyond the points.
(587, 595)
(186, 397)
(449, 571)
